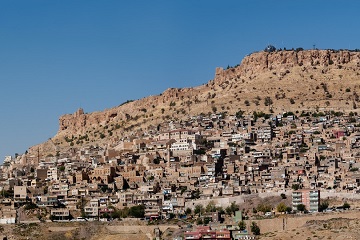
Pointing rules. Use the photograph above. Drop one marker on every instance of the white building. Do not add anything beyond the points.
(52, 173)
(183, 145)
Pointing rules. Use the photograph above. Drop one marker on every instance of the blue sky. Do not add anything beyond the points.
(57, 56)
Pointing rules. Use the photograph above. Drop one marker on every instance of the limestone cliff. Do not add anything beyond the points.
(260, 62)
(294, 80)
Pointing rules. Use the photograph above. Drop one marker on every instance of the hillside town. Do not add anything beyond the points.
(170, 169)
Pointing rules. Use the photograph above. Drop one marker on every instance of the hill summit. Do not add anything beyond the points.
(272, 82)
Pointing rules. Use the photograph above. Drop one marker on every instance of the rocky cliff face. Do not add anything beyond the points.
(79, 122)
(251, 67)
(294, 80)
(260, 62)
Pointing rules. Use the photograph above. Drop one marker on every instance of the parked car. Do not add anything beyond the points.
(268, 214)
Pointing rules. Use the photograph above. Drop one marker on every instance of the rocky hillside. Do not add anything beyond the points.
(264, 81)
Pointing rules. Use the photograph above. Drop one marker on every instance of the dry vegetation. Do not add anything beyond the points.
(335, 228)
(269, 82)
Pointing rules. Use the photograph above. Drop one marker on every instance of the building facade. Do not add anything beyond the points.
(309, 197)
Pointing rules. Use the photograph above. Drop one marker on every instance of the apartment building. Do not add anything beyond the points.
(309, 197)
(20, 194)
(91, 210)
(60, 213)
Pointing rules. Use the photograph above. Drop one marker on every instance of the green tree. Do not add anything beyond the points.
(255, 228)
(199, 209)
(301, 207)
(105, 215)
(242, 225)
(232, 209)
(207, 220)
(263, 208)
(346, 205)
(188, 211)
(220, 210)
(137, 211)
(125, 212)
(239, 114)
(288, 209)
(323, 206)
(281, 207)
(62, 168)
(210, 207)
(116, 213)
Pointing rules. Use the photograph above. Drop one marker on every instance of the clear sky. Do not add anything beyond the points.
(57, 56)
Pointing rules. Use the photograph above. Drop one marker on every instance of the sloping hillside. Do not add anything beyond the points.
(264, 81)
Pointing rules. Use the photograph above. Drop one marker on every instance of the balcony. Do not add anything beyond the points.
(314, 195)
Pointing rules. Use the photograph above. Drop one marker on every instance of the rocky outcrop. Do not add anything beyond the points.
(261, 62)
(80, 121)
(229, 86)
